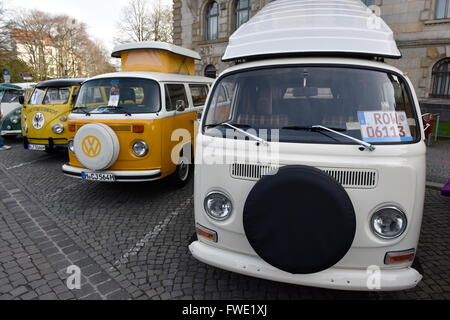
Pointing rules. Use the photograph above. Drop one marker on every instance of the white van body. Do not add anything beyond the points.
(388, 175)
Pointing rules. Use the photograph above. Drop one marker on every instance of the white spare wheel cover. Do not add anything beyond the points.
(96, 146)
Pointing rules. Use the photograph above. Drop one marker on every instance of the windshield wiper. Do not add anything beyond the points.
(82, 109)
(225, 123)
(235, 127)
(310, 128)
(366, 145)
(337, 131)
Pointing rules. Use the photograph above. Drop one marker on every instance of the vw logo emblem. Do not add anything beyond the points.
(91, 147)
(38, 121)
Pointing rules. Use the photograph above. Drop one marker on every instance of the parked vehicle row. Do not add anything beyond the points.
(310, 155)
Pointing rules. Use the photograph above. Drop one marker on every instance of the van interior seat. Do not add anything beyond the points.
(127, 95)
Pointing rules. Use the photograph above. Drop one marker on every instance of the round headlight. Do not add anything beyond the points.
(71, 146)
(140, 148)
(389, 223)
(15, 120)
(58, 128)
(218, 206)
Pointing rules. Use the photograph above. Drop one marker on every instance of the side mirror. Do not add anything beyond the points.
(22, 100)
(180, 105)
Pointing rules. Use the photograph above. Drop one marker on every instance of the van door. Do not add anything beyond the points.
(183, 118)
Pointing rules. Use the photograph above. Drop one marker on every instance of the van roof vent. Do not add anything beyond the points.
(313, 27)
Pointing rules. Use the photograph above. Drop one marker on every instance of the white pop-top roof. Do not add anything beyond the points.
(332, 27)
(155, 45)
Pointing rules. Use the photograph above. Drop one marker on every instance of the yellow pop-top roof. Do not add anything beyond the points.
(154, 56)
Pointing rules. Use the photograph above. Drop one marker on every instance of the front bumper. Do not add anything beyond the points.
(334, 278)
(121, 176)
(11, 132)
(50, 143)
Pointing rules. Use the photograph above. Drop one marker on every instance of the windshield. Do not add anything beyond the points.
(10, 96)
(57, 96)
(373, 106)
(37, 96)
(119, 96)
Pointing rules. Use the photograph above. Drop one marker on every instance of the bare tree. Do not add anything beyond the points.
(161, 21)
(141, 22)
(57, 46)
(134, 22)
(32, 35)
(5, 40)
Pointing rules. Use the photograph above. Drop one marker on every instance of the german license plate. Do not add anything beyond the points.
(102, 177)
(36, 147)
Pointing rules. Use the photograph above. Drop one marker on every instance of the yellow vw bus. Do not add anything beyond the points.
(45, 115)
(138, 124)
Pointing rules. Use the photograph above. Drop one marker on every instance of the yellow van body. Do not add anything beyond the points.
(45, 115)
(138, 124)
(168, 133)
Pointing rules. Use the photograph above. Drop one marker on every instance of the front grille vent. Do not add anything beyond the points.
(348, 178)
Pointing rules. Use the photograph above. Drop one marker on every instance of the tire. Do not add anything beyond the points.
(183, 173)
(300, 220)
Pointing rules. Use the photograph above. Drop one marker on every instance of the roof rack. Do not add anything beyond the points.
(157, 57)
(313, 27)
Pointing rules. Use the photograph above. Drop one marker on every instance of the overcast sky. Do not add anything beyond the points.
(99, 15)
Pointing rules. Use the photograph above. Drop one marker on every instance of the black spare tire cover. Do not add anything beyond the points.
(300, 220)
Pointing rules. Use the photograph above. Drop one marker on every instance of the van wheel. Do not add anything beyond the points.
(182, 174)
(51, 150)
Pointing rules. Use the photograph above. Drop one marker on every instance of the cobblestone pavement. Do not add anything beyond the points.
(130, 241)
(439, 161)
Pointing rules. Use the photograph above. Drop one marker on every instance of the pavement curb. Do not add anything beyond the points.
(435, 186)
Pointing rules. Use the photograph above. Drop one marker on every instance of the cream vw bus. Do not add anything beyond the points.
(137, 125)
(311, 153)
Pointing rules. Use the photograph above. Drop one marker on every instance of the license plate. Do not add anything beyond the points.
(102, 177)
(36, 147)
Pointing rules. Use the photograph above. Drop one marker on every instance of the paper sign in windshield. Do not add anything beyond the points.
(114, 96)
(384, 126)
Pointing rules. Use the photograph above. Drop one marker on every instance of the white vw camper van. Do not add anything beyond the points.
(311, 154)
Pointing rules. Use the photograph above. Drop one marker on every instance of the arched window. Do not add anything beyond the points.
(212, 21)
(242, 12)
(441, 80)
(211, 71)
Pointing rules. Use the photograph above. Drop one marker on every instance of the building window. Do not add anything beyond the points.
(442, 9)
(242, 12)
(212, 21)
(441, 80)
(211, 71)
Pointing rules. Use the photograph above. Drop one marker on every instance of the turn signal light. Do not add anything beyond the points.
(71, 127)
(207, 233)
(138, 129)
(400, 257)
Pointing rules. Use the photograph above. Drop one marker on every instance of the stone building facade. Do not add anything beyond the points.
(422, 31)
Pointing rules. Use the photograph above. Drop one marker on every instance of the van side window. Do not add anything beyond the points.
(199, 94)
(175, 92)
